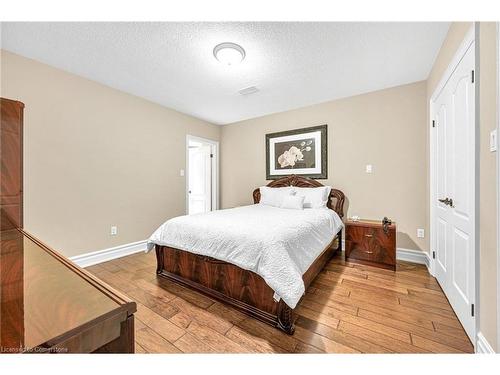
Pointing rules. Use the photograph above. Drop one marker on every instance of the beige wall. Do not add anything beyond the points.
(454, 38)
(384, 128)
(487, 172)
(96, 157)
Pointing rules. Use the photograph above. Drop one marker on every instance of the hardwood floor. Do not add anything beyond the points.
(349, 308)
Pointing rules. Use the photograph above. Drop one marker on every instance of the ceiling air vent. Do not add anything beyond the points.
(248, 90)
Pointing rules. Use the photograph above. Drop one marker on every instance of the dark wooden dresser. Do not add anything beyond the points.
(367, 242)
(47, 303)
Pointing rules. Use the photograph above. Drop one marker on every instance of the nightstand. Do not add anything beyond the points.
(367, 242)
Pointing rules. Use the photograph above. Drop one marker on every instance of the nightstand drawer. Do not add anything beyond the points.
(370, 243)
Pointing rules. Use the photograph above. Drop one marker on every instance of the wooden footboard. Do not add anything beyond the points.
(226, 282)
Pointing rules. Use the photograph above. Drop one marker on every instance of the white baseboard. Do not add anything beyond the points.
(100, 256)
(413, 256)
(483, 346)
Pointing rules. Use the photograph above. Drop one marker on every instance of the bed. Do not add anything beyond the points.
(251, 257)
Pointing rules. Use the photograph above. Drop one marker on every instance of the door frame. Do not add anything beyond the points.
(215, 169)
(469, 38)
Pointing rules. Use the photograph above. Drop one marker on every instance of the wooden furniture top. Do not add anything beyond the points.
(369, 223)
(46, 299)
(335, 200)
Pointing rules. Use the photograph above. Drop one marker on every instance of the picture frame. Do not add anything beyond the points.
(303, 152)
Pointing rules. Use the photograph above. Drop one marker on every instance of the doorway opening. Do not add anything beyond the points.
(201, 175)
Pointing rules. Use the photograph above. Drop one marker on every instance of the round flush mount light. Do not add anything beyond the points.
(229, 53)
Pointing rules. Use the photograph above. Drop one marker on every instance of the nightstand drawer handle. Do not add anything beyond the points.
(369, 235)
(367, 251)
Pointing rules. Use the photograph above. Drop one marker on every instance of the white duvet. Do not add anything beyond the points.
(278, 244)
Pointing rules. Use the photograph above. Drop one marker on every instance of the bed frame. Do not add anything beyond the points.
(242, 289)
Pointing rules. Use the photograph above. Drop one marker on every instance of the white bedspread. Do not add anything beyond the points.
(278, 244)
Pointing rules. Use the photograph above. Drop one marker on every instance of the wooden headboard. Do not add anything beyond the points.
(335, 201)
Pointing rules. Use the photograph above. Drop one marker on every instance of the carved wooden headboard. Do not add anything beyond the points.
(335, 201)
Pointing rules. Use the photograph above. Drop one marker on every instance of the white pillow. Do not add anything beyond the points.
(274, 196)
(293, 202)
(314, 197)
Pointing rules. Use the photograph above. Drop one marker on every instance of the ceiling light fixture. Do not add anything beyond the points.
(248, 90)
(229, 53)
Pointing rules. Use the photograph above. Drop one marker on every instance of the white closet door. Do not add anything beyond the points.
(454, 210)
(441, 212)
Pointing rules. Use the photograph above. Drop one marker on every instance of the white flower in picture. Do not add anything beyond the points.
(286, 159)
(298, 153)
(294, 154)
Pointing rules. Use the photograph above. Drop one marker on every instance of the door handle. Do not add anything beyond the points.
(447, 201)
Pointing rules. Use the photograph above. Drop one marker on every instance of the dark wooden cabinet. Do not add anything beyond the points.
(47, 303)
(367, 242)
(11, 156)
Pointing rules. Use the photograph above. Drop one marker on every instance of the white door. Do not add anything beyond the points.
(199, 177)
(454, 190)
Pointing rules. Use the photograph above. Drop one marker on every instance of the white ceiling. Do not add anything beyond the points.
(293, 64)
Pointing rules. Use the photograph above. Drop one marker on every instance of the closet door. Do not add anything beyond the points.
(454, 186)
(441, 181)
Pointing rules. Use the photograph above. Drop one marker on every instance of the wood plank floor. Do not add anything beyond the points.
(349, 308)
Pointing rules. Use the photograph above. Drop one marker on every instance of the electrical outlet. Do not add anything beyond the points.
(369, 168)
(181, 173)
(114, 231)
(420, 233)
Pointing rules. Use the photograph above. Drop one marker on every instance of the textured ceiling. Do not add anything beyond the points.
(292, 64)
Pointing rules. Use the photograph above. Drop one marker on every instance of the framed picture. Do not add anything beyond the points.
(301, 151)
